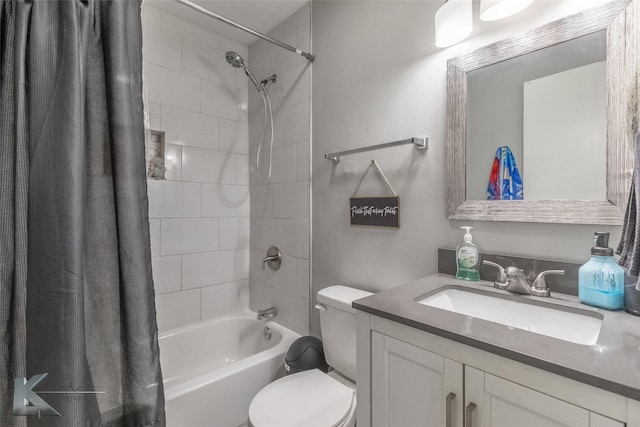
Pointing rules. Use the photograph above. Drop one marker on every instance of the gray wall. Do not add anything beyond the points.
(378, 78)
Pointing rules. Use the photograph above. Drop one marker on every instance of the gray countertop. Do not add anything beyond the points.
(613, 363)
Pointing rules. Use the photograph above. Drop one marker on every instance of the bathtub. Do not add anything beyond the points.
(213, 369)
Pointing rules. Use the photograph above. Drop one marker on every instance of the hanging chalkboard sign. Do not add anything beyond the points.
(377, 211)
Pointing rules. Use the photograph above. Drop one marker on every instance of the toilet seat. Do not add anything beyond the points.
(310, 398)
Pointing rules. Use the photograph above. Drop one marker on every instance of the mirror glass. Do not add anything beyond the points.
(560, 102)
(550, 108)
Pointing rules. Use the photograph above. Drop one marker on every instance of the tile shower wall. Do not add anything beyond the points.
(280, 211)
(200, 212)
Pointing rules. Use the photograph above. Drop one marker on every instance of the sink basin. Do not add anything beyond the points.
(563, 323)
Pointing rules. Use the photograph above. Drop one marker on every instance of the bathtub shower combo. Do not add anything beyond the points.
(212, 370)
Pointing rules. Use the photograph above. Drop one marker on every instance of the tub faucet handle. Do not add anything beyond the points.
(273, 258)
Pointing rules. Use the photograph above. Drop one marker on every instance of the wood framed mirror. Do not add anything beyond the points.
(619, 23)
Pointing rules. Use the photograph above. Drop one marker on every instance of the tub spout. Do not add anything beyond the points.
(267, 313)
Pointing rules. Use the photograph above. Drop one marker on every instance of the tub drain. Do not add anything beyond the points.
(266, 333)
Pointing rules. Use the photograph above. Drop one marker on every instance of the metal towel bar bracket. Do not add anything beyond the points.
(420, 143)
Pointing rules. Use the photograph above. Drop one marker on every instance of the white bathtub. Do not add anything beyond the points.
(213, 369)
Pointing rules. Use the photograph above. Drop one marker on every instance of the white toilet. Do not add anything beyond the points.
(313, 398)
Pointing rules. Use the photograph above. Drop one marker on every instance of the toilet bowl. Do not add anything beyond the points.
(313, 398)
(310, 398)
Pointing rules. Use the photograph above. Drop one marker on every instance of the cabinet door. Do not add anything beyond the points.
(412, 387)
(491, 401)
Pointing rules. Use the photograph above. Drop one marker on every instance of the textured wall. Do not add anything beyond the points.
(378, 78)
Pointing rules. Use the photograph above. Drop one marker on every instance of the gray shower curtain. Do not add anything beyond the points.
(76, 291)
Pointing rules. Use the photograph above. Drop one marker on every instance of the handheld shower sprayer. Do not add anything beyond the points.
(236, 61)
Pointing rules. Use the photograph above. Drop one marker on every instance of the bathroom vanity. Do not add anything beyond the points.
(424, 359)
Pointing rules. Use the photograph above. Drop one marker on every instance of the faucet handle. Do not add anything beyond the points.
(540, 288)
(501, 282)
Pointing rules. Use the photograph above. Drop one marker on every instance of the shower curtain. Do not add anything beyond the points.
(76, 291)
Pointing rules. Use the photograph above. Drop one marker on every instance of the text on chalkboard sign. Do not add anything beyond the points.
(376, 211)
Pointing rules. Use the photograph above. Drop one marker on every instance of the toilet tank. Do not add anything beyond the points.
(338, 327)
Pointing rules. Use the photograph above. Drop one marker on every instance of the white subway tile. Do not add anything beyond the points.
(297, 123)
(169, 87)
(224, 299)
(260, 296)
(261, 200)
(291, 199)
(302, 277)
(303, 161)
(173, 162)
(242, 169)
(200, 165)
(234, 136)
(184, 127)
(154, 231)
(283, 165)
(296, 237)
(151, 15)
(190, 30)
(153, 110)
(166, 273)
(242, 264)
(172, 199)
(223, 101)
(207, 63)
(297, 86)
(208, 268)
(188, 235)
(161, 47)
(293, 311)
(177, 309)
(225, 200)
(267, 232)
(234, 233)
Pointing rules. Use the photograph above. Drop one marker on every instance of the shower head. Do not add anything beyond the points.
(236, 61)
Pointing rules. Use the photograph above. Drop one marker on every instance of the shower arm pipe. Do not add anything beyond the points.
(228, 21)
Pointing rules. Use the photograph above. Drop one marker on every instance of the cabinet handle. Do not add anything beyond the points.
(468, 413)
(450, 398)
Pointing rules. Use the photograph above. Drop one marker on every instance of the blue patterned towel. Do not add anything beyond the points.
(505, 182)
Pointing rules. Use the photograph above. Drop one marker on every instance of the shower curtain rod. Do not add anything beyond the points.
(228, 21)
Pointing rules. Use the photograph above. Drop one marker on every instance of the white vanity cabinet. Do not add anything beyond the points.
(491, 401)
(412, 386)
(406, 375)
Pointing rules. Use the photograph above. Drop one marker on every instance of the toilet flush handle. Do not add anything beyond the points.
(321, 308)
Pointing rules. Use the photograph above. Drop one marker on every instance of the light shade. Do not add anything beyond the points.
(454, 22)
(492, 10)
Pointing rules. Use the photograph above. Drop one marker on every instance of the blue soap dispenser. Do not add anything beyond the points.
(601, 280)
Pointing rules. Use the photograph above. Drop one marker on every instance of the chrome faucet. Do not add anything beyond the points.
(267, 313)
(512, 279)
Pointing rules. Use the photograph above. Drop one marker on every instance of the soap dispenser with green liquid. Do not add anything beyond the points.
(468, 258)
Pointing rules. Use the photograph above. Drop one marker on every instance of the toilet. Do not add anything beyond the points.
(313, 398)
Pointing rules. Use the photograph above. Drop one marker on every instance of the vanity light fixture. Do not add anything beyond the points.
(454, 22)
(492, 10)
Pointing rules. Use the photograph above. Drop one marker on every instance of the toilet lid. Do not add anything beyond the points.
(308, 398)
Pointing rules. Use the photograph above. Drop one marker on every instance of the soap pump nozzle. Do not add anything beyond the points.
(467, 237)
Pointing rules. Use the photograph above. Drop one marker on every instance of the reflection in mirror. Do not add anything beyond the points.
(548, 106)
(536, 112)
